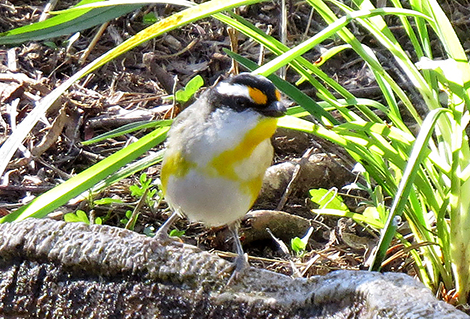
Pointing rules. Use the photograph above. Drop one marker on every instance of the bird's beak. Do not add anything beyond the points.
(275, 109)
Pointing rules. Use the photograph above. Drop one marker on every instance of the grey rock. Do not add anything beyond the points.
(52, 269)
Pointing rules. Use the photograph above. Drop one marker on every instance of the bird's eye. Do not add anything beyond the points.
(240, 101)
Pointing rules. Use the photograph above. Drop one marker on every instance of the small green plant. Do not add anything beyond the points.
(145, 195)
(298, 245)
(149, 18)
(81, 216)
(330, 203)
(143, 189)
(184, 95)
(328, 199)
(149, 231)
(125, 220)
(177, 233)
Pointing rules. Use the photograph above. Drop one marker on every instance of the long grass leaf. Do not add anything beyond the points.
(406, 185)
(64, 24)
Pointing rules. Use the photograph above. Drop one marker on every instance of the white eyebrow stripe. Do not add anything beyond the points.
(233, 89)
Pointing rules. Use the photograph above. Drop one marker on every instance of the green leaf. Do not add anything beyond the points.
(360, 218)
(125, 220)
(107, 201)
(143, 179)
(373, 215)
(78, 216)
(136, 190)
(126, 129)
(297, 245)
(184, 95)
(151, 193)
(177, 233)
(66, 23)
(149, 18)
(327, 199)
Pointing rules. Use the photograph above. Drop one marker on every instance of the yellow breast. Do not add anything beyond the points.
(224, 163)
(245, 162)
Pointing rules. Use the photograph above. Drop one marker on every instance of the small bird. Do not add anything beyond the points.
(217, 152)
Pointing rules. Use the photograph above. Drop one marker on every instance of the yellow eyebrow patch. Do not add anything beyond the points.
(257, 96)
(278, 95)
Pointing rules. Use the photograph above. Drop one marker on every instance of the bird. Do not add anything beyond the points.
(217, 152)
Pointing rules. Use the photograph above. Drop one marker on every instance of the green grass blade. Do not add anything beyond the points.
(95, 4)
(359, 145)
(64, 24)
(126, 129)
(406, 185)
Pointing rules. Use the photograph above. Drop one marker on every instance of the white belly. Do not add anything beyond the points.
(212, 201)
(217, 201)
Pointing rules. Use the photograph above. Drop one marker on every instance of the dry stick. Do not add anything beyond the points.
(56, 170)
(24, 188)
(295, 176)
(174, 55)
(283, 33)
(97, 36)
(12, 60)
(48, 8)
(298, 264)
(114, 119)
(17, 77)
(310, 264)
(173, 108)
(309, 23)
(52, 135)
(12, 111)
(233, 35)
(262, 48)
(136, 210)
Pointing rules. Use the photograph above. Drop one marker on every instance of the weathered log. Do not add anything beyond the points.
(53, 269)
